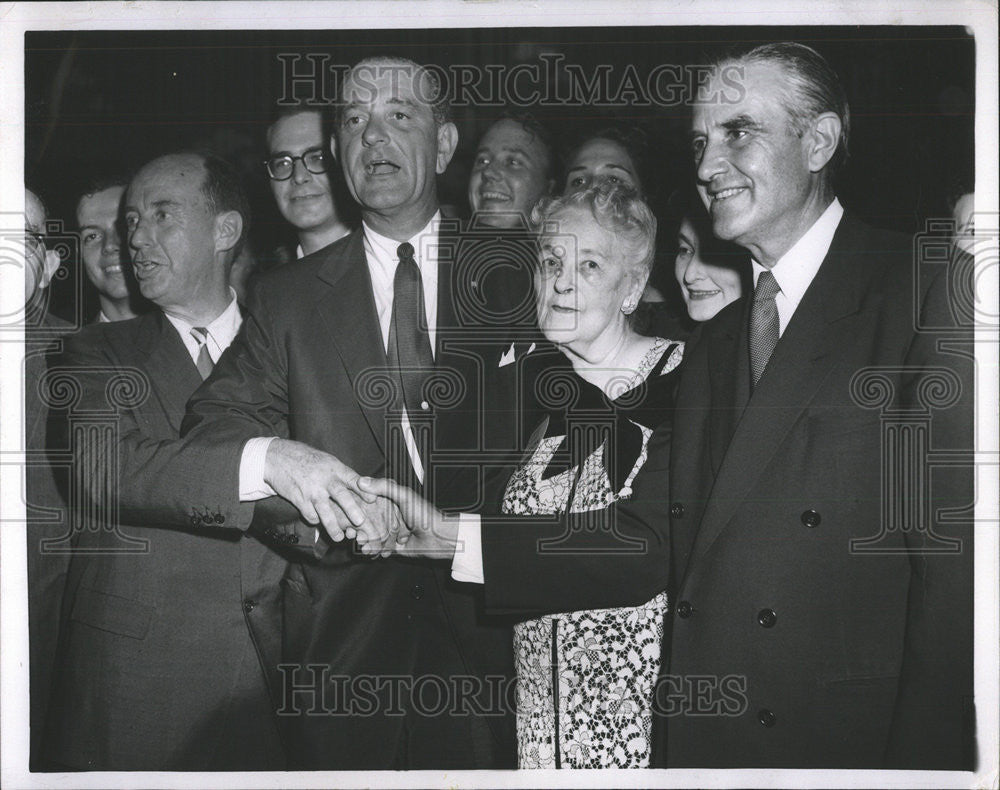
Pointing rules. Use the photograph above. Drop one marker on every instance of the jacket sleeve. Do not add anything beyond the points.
(934, 717)
(618, 556)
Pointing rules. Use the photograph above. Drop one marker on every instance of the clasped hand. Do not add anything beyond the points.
(382, 516)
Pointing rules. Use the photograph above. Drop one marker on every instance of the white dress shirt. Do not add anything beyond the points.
(220, 332)
(380, 253)
(794, 271)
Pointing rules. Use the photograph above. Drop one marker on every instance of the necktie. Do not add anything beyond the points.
(409, 351)
(204, 362)
(763, 324)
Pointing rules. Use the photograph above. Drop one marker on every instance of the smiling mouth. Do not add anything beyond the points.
(494, 196)
(725, 194)
(306, 197)
(113, 269)
(144, 267)
(381, 167)
(702, 294)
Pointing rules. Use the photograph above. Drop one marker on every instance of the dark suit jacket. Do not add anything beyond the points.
(827, 602)
(158, 669)
(309, 364)
(48, 530)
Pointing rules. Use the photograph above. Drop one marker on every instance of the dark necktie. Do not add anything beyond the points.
(204, 362)
(763, 324)
(409, 351)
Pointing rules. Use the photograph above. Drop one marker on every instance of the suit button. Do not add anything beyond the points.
(677, 510)
(249, 606)
(425, 405)
(767, 618)
(684, 609)
(417, 591)
(766, 717)
(811, 518)
(220, 519)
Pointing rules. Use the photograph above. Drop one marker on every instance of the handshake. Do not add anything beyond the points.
(380, 515)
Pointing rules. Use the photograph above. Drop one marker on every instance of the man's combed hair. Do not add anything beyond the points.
(619, 210)
(223, 191)
(439, 101)
(815, 88)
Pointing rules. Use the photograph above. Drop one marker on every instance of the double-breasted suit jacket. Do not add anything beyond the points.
(358, 634)
(827, 601)
(158, 668)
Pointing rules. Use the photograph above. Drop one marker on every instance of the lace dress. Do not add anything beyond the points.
(605, 661)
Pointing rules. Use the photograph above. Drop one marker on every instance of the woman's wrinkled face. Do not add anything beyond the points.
(582, 281)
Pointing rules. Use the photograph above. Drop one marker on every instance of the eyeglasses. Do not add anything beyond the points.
(280, 168)
(33, 240)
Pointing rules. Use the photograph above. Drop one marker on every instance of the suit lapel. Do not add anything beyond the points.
(796, 372)
(173, 376)
(347, 308)
(724, 361)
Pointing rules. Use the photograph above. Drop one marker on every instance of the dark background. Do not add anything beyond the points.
(112, 100)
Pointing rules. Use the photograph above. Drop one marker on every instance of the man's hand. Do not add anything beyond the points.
(322, 488)
(431, 533)
(381, 532)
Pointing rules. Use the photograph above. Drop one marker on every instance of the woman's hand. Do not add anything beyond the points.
(431, 533)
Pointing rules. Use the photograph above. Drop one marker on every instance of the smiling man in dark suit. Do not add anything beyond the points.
(158, 670)
(831, 581)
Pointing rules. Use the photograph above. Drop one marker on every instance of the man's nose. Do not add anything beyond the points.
(711, 162)
(374, 132)
(138, 237)
(300, 173)
(112, 244)
(491, 172)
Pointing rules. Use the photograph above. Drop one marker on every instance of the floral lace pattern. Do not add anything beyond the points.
(607, 659)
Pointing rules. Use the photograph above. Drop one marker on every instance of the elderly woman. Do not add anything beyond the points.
(586, 678)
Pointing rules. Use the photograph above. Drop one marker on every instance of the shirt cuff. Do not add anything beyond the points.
(467, 565)
(252, 485)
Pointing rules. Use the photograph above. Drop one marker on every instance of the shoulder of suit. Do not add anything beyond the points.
(302, 272)
(112, 333)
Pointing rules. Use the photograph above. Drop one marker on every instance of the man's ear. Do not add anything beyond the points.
(822, 139)
(447, 135)
(49, 268)
(228, 229)
(333, 145)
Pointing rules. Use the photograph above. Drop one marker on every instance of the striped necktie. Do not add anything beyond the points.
(763, 324)
(204, 362)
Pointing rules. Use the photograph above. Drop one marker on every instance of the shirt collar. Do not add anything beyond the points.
(222, 329)
(795, 270)
(385, 248)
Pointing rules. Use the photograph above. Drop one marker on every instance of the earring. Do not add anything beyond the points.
(628, 307)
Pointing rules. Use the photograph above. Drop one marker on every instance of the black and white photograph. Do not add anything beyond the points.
(499, 394)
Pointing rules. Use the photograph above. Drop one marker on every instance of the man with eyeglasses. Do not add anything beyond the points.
(302, 181)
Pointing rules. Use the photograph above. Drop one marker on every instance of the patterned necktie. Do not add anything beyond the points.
(763, 324)
(204, 362)
(409, 351)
